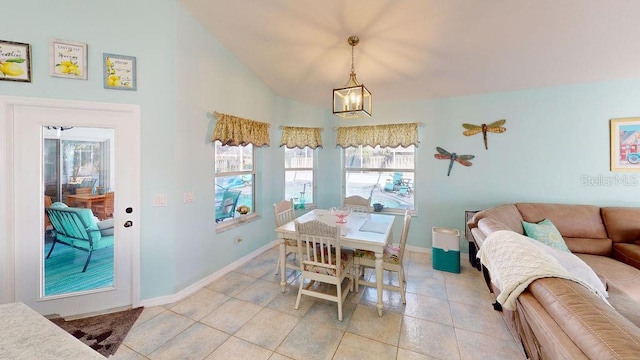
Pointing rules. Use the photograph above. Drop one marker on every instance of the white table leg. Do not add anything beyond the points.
(283, 265)
(379, 281)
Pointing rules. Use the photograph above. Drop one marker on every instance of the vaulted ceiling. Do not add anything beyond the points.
(422, 49)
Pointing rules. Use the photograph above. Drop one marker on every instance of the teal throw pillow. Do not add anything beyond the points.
(546, 233)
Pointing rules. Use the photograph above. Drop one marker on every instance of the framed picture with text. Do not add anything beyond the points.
(15, 61)
(119, 72)
(625, 144)
(68, 59)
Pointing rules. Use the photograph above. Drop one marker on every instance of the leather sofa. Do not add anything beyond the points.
(557, 318)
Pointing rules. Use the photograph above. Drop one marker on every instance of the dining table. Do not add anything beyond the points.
(363, 231)
(85, 200)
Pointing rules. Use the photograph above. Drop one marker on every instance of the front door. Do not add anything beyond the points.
(98, 153)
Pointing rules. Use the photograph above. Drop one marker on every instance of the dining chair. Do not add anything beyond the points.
(104, 210)
(392, 261)
(284, 212)
(357, 203)
(323, 260)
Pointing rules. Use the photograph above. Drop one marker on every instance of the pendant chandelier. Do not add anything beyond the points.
(353, 100)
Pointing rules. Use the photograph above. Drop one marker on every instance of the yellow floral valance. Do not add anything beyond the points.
(390, 135)
(234, 131)
(294, 136)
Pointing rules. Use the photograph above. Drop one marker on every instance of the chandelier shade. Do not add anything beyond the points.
(353, 100)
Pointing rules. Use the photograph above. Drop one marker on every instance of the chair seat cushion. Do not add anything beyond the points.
(346, 257)
(291, 242)
(390, 255)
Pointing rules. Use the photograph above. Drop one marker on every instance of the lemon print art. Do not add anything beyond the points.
(11, 69)
(68, 67)
(119, 72)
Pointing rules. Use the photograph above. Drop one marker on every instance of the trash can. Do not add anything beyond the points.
(446, 249)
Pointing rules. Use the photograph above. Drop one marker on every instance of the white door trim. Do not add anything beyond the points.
(7, 166)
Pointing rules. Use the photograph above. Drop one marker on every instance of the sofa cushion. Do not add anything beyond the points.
(589, 246)
(579, 221)
(627, 253)
(617, 275)
(546, 233)
(623, 223)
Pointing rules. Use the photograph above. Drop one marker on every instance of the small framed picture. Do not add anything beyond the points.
(119, 72)
(68, 59)
(15, 61)
(625, 144)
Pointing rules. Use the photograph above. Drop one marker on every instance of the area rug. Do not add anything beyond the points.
(102, 333)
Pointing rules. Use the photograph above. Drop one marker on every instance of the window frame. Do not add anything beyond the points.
(346, 170)
(236, 220)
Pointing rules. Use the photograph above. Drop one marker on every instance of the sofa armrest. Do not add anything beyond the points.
(587, 320)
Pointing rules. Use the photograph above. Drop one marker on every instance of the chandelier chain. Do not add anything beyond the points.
(353, 69)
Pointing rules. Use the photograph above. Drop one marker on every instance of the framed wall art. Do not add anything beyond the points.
(625, 144)
(119, 72)
(15, 61)
(68, 59)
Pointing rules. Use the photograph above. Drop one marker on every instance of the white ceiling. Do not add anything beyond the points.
(421, 49)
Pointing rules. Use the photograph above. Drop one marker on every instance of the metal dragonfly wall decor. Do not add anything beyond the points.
(494, 127)
(460, 159)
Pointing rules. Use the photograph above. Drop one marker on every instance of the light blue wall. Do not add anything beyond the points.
(212, 79)
(144, 29)
(555, 136)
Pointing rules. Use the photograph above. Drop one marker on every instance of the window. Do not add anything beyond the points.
(298, 176)
(387, 175)
(234, 181)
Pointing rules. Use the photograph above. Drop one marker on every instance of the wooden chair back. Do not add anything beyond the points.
(283, 212)
(357, 203)
(320, 245)
(105, 210)
(404, 235)
(83, 191)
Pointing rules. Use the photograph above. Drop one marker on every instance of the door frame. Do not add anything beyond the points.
(7, 170)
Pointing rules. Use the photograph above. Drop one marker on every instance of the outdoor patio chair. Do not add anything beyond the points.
(227, 207)
(76, 227)
(105, 209)
(395, 183)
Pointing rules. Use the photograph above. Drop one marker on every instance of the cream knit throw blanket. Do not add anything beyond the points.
(515, 261)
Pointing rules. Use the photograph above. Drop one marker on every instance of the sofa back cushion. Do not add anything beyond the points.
(623, 223)
(602, 247)
(573, 221)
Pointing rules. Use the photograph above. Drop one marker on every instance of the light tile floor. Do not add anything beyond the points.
(244, 315)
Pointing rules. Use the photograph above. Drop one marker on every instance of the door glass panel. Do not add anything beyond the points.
(79, 192)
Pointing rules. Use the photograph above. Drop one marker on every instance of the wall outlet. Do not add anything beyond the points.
(188, 196)
(238, 239)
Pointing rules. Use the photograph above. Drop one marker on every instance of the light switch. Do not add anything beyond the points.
(188, 196)
(160, 200)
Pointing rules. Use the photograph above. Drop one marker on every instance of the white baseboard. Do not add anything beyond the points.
(197, 286)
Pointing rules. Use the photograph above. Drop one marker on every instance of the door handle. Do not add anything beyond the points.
(128, 223)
